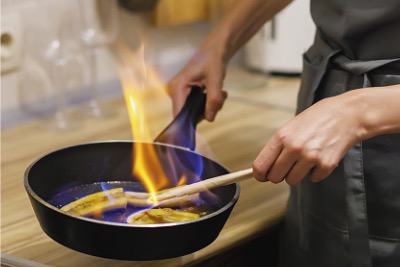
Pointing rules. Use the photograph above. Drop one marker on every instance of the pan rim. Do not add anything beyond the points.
(158, 225)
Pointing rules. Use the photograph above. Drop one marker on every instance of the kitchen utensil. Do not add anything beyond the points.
(180, 193)
(210, 183)
(112, 161)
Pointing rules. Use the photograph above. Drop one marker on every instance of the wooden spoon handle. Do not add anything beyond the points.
(207, 184)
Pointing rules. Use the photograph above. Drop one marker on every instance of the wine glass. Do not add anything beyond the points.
(50, 49)
(99, 28)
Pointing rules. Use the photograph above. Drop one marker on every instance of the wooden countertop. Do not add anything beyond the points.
(247, 120)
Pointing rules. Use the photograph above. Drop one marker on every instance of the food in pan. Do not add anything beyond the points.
(127, 206)
(161, 215)
(97, 203)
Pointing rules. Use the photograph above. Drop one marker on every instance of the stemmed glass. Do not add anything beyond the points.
(99, 28)
(50, 50)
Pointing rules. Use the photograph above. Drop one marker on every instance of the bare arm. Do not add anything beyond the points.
(318, 138)
(380, 111)
(208, 66)
(241, 22)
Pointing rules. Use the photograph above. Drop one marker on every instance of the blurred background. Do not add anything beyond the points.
(55, 54)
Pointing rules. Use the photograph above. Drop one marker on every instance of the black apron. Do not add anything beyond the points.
(352, 218)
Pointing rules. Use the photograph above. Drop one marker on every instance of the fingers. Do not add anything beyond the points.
(178, 90)
(215, 95)
(215, 101)
(284, 168)
(298, 171)
(281, 167)
(277, 162)
(322, 171)
(266, 159)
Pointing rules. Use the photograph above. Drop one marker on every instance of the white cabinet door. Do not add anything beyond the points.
(278, 46)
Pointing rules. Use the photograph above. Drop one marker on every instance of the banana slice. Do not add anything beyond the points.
(97, 203)
(161, 215)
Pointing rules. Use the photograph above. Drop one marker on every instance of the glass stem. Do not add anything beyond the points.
(59, 94)
(93, 75)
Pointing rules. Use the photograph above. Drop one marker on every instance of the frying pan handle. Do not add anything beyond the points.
(182, 130)
(195, 105)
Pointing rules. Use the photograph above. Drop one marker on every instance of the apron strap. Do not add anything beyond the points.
(359, 67)
(357, 208)
(307, 91)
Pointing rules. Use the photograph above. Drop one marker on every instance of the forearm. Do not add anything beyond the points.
(315, 141)
(208, 66)
(240, 23)
(379, 110)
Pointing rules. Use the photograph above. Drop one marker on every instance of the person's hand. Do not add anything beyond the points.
(206, 68)
(312, 142)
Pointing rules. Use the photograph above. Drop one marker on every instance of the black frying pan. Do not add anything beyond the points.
(94, 163)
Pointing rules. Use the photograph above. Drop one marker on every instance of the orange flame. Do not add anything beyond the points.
(137, 80)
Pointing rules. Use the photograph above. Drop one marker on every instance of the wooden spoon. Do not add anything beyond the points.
(179, 193)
